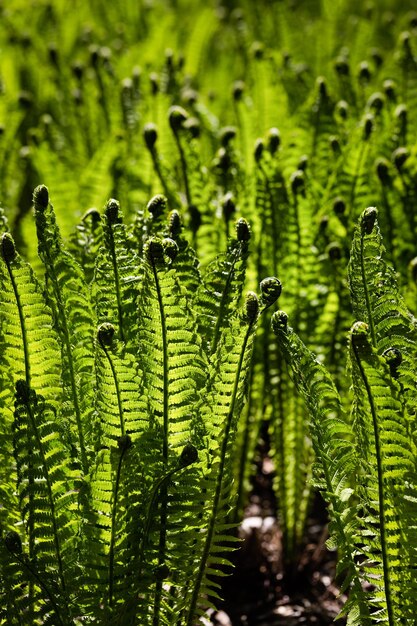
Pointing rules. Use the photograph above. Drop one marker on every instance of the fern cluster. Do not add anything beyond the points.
(366, 463)
(290, 116)
(127, 391)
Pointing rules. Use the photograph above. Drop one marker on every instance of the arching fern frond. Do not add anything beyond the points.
(335, 459)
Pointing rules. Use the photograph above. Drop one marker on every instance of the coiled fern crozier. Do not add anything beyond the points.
(118, 443)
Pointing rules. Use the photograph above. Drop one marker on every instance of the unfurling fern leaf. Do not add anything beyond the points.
(377, 301)
(67, 295)
(116, 299)
(385, 482)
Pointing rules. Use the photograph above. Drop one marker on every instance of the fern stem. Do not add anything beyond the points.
(216, 334)
(22, 323)
(164, 490)
(31, 523)
(25, 564)
(243, 457)
(117, 387)
(113, 526)
(116, 281)
(184, 169)
(356, 178)
(219, 484)
(370, 320)
(381, 489)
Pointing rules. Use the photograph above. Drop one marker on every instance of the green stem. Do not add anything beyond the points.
(366, 292)
(184, 169)
(164, 490)
(22, 324)
(381, 489)
(116, 281)
(117, 387)
(25, 564)
(113, 526)
(225, 292)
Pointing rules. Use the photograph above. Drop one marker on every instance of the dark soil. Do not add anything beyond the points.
(258, 593)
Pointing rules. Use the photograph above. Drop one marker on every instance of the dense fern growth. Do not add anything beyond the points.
(139, 373)
(366, 466)
(108, 519)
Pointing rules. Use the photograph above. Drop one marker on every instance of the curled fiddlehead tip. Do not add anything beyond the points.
(368, 219)
(192, 124)
(394, 359)
(93, 215)
(112, 211)
(188, 455)
(341, 65)
(124, 442)
(399, 157)
(238, 89)
(176, 117)
(274, 140)
(303, 163)
(401, 113)
(279, 322)
(389, 89)
(376, 102)
(154, 250)
(170, 248)
(150, 135)
(359, 334)
(258, 150)
(342, 108)
(226, 134)
(22, 391)
(13, 542)
(383, 171)
(271, 288)
(40, 197)
(228, 206)
(339, 206)
(157, 205)
(105, 333)
(297, 182)
(321, 86)
(8, 249)
(368, 125)
(175, 224)
(162, 572)
(243, 232)
(251, 306)
(334, 251)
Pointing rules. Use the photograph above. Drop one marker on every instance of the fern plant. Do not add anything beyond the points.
(118, 443)
(366, 464)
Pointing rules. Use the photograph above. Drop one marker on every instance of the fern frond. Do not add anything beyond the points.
(48, 499)
(335, 462)
(219, 414)
(67, 295)
(377, 301)
(386, 481)
(115, 284)
(222, 287)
